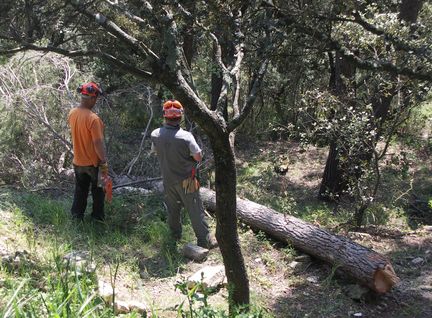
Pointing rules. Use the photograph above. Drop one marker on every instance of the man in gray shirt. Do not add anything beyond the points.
(178, 154)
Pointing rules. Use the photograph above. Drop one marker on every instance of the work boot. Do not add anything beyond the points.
(97, 218)
(210, 243)
(77, 218)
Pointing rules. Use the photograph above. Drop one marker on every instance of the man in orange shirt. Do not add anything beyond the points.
(87, 131)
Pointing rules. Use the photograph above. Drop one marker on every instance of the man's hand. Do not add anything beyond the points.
(99, 147)
(197, 157)
(103, 167)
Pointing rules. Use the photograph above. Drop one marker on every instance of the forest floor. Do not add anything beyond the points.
(283, 281)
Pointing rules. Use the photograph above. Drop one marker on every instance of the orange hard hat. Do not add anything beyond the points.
(89, 89)
(172, 109)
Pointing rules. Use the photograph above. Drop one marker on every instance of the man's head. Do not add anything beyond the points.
(89, 93)
(172, 111)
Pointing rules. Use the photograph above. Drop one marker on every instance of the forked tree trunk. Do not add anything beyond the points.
(366, 266)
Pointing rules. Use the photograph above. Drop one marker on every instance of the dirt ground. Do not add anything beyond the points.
(310, 288)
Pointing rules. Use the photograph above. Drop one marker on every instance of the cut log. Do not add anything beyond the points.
(196, 253)
(363, 264)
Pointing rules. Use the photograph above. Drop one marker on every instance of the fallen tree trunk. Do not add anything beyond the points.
(368, 267)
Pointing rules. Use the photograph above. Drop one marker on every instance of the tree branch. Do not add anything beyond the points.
(398, 43)
(371, 64)
(256, 84)
(128, 14)
(79, 53)
(225, 74)
(114, 29)
(235, 69)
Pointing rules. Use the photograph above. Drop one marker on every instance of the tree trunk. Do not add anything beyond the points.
(331, 183)
(363, 264)
(225, 183)
(226, 227)
(409, 10)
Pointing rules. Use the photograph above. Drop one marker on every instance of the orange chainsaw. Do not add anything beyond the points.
(108, 185)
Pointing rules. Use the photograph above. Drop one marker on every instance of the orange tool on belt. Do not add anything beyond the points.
(191, 184)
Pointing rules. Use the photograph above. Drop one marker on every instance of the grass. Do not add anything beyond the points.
(49, 288)
(134, 241)
(135, 229)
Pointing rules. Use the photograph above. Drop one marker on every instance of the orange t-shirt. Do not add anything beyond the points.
(86, 127)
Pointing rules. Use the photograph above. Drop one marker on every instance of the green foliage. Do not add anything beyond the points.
(415, 132)
(199, 307)
(34, 134)
(51, 290)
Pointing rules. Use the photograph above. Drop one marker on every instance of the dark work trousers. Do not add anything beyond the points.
(84, 177)
(175, 198)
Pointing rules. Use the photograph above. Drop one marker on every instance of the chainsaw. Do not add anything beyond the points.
(106, 183)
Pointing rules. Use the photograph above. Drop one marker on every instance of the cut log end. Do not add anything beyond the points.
(384, 279)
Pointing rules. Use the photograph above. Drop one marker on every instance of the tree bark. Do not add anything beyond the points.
(366, 266)
(226, 216)
(409, 10)
(331, 183)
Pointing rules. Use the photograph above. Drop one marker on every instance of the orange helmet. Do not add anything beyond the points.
(172, 109)
(90, 89)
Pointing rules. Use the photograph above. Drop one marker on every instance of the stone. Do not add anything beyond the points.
(121, 307)
(17, 260)
(105, 291)
(210, 277)
(138, 307)
(195, 252)
(312, 279)
(81, 261)
(358, 314)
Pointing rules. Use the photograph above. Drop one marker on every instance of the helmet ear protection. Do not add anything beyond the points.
(172, 109)
(90, 89)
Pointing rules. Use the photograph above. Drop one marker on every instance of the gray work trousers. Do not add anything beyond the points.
(175, 198)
